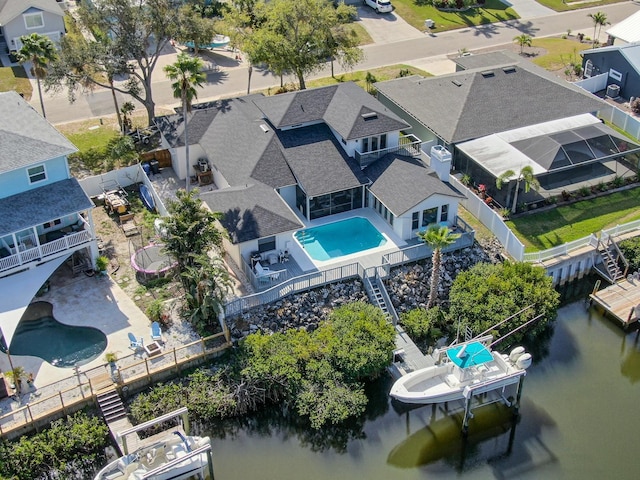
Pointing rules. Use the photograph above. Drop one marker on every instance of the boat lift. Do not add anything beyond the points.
(481, 388)
(184, 420)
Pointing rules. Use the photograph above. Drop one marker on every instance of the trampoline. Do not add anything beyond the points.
(151, 262)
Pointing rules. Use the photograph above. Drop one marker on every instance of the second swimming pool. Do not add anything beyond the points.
(333, 240)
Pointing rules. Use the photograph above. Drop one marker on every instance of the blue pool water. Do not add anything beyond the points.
(341, 238)
(40, 335)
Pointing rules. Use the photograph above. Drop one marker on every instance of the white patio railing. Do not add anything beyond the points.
(45, 250)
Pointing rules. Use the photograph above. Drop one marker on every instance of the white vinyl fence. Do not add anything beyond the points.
(490, 219)
(594, 84)
(126, 176)
(622, 120)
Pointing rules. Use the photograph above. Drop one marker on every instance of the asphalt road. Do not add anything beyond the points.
(232, 80)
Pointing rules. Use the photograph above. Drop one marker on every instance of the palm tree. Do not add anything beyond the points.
(523, 40)
(526, 175)
(599, 20)
(186, 74)
(40, 51)
(437, 238)
(206, 283)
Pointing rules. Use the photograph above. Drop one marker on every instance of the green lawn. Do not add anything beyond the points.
(560, 52)
(562, 6)
(415, 15)
(381, 74)
(89, 133)
(363, 36)
(15, 78)
(571, 222)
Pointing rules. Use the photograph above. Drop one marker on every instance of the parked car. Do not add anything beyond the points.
(380, 6)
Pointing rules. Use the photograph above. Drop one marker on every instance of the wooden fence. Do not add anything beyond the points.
(134, 373)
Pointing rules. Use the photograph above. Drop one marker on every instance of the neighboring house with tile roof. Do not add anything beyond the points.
(280, 162)
(24, 17)
(44, 213)
(500, 112)
(621, 63)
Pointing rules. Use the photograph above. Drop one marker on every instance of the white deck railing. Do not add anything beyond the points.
(45, 250)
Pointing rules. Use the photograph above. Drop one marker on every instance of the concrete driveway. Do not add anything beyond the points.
(386, 27)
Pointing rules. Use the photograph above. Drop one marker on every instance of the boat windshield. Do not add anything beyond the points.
(469, 354)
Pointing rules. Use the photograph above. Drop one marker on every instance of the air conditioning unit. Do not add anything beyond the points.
(613, 91)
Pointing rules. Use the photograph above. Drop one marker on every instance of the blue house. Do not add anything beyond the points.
(45, 216)
(24, 17)
(620, 62)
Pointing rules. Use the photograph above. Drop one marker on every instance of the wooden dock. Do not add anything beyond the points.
(408, 356)
(620, 301)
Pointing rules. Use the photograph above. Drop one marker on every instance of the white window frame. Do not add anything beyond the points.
(34, 14)
(30, 175)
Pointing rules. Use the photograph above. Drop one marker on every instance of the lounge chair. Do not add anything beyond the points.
(134, 342)
(156, 332)
(264, 274)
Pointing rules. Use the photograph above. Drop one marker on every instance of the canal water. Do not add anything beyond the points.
(580, 419)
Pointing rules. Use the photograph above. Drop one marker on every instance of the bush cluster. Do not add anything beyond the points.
(69, 448)
(319, 374)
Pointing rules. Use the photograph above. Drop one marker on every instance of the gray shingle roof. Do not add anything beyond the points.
(41, 205)
(10, 9)
(256, 158)
(27, 138)
(501, 57)
(475, 103)
(340, 106)
(251, 212)
(318, 162)
(401, 182)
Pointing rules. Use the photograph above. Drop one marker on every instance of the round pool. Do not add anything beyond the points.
(39, 334)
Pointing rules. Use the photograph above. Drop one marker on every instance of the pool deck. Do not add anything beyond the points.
(89, 302)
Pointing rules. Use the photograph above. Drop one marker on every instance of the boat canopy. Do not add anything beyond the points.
(469, 354)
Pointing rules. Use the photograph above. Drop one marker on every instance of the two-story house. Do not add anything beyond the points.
(24, 17)
(45, 216)
(282, 162)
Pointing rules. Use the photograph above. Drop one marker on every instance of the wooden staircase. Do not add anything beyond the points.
(614, 262)
(111, 405)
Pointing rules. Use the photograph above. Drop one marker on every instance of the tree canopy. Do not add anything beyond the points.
(191, 228)
(437, 238)
(40, 51)
(487, 294)
(317, 374)
(129, 36)
(299, 37)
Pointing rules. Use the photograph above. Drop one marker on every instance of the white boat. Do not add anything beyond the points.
(177, 457)
(466, 369)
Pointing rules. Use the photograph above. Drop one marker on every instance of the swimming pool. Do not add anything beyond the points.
(39, 334)
(337, 239)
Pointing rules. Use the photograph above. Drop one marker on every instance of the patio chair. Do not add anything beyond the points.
(134, 342)
(264, 274)
(156, 332)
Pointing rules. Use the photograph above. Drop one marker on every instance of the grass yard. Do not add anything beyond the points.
(481, 232)
(15, 78)
(415, 15)
(560, 52)
(566, 223)
(383, 73)
(363, 36)
(89, 133)
(561, 6)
